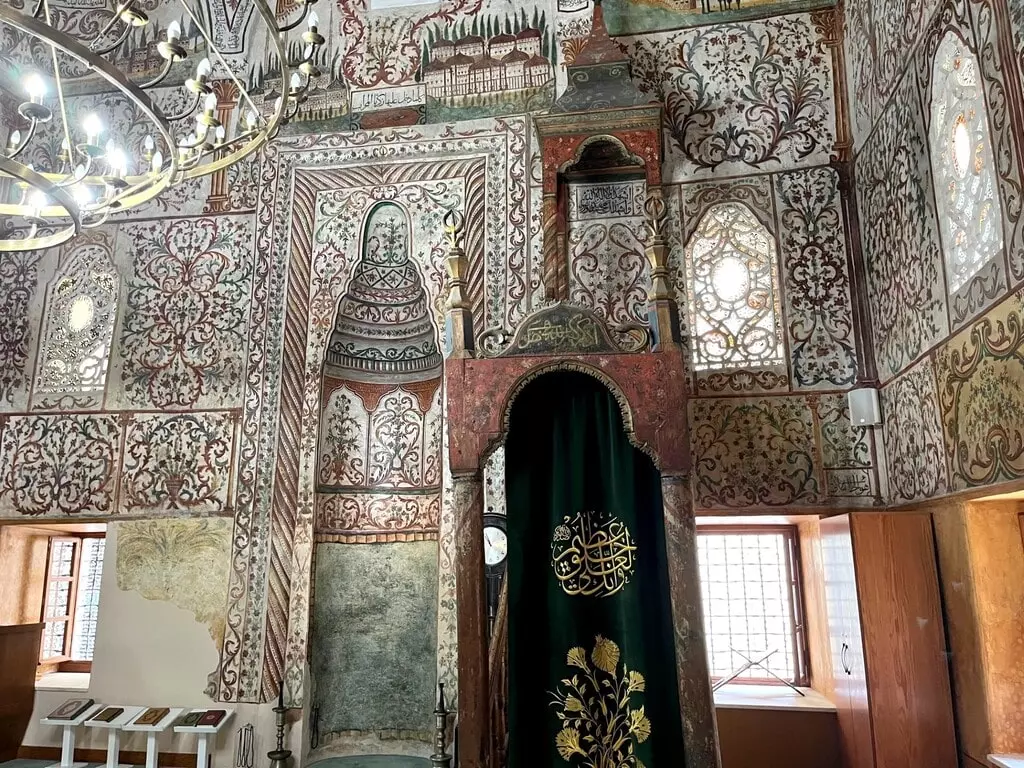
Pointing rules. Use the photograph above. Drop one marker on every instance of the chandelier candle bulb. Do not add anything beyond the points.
(35, 88)
(105, 62)
(93, 127)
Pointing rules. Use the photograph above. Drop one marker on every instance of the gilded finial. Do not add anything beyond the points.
(453, 227)
(654, 206)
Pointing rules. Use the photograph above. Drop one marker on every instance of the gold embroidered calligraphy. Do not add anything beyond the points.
(592, 554)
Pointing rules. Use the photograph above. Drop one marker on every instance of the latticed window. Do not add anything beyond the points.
(81, 308)
(752, 604)
(71, 601)
(732, 275)
(970, 218)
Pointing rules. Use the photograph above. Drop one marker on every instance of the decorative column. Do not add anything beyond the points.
(227, 99)
(459, 319)
(695, 698)
(662, 312)
(470, 589)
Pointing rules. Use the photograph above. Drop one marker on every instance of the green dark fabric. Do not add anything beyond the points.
(566, 453)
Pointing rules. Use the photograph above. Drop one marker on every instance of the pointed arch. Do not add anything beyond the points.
(963, 167)
(78, 322)
(732, 277)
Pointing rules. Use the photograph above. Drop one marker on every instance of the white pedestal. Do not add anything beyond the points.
(114, 735)
(67, 742)
(203, 733)
(152, 731)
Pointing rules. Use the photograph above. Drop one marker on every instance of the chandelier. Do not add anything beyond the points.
(111, 114)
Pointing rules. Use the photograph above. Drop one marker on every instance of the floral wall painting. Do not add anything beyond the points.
(181, 561)
(630, 17)
(741, 98)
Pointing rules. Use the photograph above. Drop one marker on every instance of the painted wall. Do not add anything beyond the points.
(162, 605)
(949, 363)
(213, 403)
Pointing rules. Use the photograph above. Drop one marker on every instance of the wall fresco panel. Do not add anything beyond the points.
(184, 314)
(179, 464)
(912, 433)
(750, 452)
(980, 374)
(59, 465)
(816, 281)
(900, 237)
(774, 112)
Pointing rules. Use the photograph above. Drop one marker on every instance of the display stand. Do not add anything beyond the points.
(203, 733)
(152, 731)
(114, 736)
(67, 744)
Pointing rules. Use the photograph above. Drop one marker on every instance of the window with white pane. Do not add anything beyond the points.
(752, 603)
(970, 219)
(733, 291)
(71, 601)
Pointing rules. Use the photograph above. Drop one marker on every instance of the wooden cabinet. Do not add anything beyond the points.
(887, 641)
(19, 654)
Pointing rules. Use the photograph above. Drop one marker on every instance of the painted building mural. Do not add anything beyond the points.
(209, 359)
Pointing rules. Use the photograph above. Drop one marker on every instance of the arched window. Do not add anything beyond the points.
(733, 279)
(78, 326)
(962, 164)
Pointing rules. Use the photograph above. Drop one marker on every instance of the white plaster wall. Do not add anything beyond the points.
(153, 653)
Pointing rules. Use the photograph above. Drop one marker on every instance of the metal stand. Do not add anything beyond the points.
(755, 662)
(279, 757)
(441, 758)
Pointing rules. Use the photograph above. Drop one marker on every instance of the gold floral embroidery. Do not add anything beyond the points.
(592, 554)
(599, 727)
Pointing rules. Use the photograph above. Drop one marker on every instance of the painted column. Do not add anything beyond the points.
(695, 698)
(470, 587)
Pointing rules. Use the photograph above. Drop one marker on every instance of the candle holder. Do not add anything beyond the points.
(441, 758)
(279, 757)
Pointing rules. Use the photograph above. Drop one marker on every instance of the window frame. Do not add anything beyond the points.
(64, 662)
(795, 595)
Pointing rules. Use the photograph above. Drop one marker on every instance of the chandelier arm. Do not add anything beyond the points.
(113, 19)
(160, 77)
(216, 51)
(24, 142)
(99, 65)
(58, 81)
(66, 207)
(117, 43)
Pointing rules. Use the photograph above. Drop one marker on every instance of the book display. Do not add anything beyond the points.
(114, 719)
(151, 716)
(207, 724)
(108, 715)
(70, 709)
(203, 723)
(68, 716)
(152, 722)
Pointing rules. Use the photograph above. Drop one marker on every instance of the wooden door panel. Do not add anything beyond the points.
(907, 672)
(841, 601)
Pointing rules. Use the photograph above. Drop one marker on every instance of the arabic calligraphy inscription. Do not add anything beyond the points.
(592, 554)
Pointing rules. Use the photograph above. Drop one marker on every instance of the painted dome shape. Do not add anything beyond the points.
(383, 328)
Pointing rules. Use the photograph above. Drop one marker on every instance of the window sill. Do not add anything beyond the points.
(771, 697)
(1007, 761)
(63, 681)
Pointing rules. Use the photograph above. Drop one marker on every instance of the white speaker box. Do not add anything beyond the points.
(864, 410)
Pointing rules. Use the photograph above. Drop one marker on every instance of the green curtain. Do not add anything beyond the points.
(588, 587)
